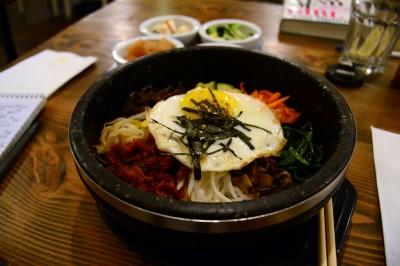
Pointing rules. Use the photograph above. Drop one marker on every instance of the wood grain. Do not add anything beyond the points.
(48, 218)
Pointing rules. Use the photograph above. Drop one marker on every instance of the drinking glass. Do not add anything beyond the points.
(373, 31)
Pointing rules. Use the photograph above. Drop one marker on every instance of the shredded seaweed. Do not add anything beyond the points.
(214, 123)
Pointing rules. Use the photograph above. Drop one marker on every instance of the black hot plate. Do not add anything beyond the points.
(296, 247)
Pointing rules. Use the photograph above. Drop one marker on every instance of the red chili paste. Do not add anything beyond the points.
(141, 165)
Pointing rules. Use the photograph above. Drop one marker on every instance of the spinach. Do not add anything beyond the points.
(301, 156)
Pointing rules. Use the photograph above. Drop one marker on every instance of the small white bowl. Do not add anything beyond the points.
(251, 42)
(224, 44)
(187, 37)
(120, 49)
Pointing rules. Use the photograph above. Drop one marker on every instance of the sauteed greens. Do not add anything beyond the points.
(301, 155)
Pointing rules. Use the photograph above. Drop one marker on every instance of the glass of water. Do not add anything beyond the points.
(373, 32)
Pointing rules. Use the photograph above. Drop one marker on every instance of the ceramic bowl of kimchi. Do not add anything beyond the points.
(239, 99)
(134, 48)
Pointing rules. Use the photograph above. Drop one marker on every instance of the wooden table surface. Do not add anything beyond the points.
(46, 215)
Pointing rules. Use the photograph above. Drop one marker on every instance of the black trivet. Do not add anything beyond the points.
(299, 247)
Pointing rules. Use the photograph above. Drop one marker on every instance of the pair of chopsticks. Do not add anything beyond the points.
(326, 239)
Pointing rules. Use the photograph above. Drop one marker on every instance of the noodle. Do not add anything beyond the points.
(229, 187)
(180, 184)
(217, 191)
(121, 131)
(214, 187)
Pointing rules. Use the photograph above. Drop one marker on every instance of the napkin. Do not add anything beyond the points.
(43, 73)
(386, 147)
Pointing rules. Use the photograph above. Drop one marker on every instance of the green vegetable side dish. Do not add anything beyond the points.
(230, 32)
(301, 156)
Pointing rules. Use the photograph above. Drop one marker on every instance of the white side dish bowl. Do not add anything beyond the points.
(181, 27)
(246, 27)
(225, 44)
(120, 50)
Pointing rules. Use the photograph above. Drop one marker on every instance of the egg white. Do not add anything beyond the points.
(167, 134)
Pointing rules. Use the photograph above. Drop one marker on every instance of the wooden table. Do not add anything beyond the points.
(46, 215)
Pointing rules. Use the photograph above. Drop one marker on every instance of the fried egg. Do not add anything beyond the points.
(266, 135)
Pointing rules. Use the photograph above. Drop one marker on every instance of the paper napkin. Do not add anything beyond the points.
(386, 147)
(43, 73)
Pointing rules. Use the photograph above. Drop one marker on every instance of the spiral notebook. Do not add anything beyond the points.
(23, 91)
(17, 112)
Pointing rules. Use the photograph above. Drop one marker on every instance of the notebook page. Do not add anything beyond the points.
(16, 114)
(43, 73)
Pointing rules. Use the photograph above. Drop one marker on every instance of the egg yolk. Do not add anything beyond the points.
(199, 94)
(139, 124)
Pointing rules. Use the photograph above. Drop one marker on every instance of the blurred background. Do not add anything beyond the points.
(31, 22)
(26, 23)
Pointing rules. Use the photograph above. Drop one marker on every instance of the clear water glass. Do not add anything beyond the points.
(373, 32)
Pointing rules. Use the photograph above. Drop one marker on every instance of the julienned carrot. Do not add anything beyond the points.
(277, 102)
(273, 97)
(285, 114)
(241, 87)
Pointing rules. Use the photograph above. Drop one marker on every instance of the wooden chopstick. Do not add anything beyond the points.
(326, 239)
(330, 234)
(322, 259)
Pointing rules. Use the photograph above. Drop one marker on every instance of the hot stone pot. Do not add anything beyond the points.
(194, 223)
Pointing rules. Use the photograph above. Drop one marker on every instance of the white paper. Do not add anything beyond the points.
(16, 114)
(43, 73)
(386, 147)
(318, 11)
